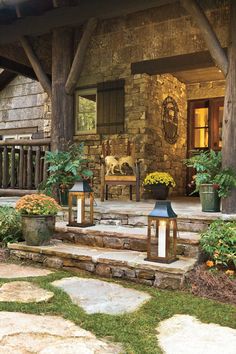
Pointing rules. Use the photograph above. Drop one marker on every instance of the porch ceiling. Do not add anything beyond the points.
(41, 16)
(199, 75)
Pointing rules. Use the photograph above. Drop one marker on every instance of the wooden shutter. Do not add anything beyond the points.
(110, 107)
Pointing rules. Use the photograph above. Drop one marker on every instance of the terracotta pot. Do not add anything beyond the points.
(159, 191)
(38, 229)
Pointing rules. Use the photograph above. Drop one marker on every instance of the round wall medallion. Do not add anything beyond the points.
(170, 113)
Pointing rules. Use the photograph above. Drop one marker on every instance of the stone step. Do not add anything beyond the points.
(106, 262)
(123, 237)
(186, 222)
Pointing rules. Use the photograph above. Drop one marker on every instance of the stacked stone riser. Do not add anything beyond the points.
(105, 268)
(185, 247)
(183, 223)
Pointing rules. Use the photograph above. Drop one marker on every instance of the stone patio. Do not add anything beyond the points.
(24, 292)
(11, 271)
(22, 333)
(184, 334)
(96, 296)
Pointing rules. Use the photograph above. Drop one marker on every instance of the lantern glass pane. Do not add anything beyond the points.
(153, 241)
(162, 239)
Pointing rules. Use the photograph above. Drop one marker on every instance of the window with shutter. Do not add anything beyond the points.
(110, 107)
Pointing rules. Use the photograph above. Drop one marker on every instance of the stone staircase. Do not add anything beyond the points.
(116, 251)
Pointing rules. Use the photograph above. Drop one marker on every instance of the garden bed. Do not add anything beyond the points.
(212, 284)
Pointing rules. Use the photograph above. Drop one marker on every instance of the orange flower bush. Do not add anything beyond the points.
(229, 272)
(37, 204)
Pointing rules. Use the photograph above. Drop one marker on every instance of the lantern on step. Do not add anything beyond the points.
(162, 233)
(80, 212)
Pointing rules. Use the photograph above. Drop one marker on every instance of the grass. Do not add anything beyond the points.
(136, 331)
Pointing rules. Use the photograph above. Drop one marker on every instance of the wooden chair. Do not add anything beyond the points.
(119, 179)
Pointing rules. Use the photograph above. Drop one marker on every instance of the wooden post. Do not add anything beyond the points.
(213, 44)
(78, 61)
(34, 61)
(62, 125)
(229, 121)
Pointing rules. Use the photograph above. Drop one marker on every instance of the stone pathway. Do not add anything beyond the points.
(23, 291)
(23, 333)
(184, 334)
(9, 271)
(96, 296)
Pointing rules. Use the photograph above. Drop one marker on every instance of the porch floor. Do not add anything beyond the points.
(183, 206)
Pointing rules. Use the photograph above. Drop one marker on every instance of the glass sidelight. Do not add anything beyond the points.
(205, 119)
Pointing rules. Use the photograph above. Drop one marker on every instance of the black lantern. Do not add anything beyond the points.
(162, 233)
(76, 202)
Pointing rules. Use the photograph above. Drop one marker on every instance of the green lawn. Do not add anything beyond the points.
(136, 331)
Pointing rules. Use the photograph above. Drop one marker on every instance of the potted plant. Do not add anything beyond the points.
(211, 180)
(38, 218)
(159, 183)
(65, 168)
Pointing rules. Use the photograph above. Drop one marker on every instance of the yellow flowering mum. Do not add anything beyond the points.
(159, 177)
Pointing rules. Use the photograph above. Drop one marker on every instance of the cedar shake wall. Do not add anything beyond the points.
(23, 104)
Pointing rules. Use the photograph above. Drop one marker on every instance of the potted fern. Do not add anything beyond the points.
(211, 180)
(65, 168)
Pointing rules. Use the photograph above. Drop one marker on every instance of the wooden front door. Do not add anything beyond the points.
(205, 119)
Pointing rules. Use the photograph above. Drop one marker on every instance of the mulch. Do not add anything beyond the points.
(212, 285)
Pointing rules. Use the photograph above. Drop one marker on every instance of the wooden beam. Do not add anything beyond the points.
(229, 121)
(78, 61)
(74, 15)
(62, 123)
(17, 68)
(212, 42)
(36, 65)
(174, 64)
(5, 78)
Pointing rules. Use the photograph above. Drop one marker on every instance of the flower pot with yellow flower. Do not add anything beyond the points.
(38, 218)
(159, 183)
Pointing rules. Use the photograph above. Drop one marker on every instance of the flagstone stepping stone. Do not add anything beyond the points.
(97, 296)
(24, 291)
(8, 270)
(22, 333)
(184, 334)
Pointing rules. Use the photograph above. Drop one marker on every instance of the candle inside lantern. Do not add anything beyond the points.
(162, 239)
(79, 210)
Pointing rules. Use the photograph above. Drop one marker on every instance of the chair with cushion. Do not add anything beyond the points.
(119, 169)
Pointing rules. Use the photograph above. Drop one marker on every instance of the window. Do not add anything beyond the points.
(101, 110)
(201, 128)
(86, 111)
(17, 137)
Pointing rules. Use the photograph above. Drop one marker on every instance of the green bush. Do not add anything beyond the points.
(10, 225)
(219, 243)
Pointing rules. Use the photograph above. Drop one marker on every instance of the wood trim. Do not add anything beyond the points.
(174, 64)
(25, 130)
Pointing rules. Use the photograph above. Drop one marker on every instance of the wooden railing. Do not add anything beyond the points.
(22, 167)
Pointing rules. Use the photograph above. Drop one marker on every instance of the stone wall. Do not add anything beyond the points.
(154, 33)
(23, 104)
(209, 89)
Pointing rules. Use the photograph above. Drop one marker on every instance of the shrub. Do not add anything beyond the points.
(219, 243)
(10, 225)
